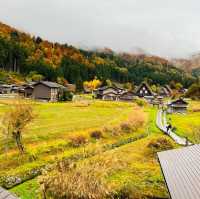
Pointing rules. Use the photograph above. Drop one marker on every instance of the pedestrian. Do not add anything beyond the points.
(169, 127)
(186, 141)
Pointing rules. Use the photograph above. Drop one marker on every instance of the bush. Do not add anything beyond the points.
(160, 144)
(126, 127)
(78, 140)
(140, 102)
(112, 130)
(128, 191)
(66, 96)
(193, 91)
(115, 131)
(96, 134)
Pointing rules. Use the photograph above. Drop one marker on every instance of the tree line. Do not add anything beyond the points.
(22, 53)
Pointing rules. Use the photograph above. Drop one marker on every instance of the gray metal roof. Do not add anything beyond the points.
(181, 169)
(4, 194)
(50, 84)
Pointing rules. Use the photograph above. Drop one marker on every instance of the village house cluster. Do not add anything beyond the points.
(114, 93)
(42, 90)
(143, 90)
(51, 91)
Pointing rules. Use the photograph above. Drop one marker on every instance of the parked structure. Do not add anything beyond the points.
(144, 90)
(177, 106)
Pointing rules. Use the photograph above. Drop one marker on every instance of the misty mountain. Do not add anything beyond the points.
(24, 53)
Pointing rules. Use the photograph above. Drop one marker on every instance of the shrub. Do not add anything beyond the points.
(140, 102)
(78, 140)
(193, 91)
(128, 191)
(160, 144)
(126, 127)
(96, 134)
(112, 130)
(115, 131)
(66, 96)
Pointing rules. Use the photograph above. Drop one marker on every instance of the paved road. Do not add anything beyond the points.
(161, 122)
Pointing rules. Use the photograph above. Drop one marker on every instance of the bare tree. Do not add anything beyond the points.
(15, 121)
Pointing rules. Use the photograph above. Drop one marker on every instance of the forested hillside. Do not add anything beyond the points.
(192, 64)
(21, 52)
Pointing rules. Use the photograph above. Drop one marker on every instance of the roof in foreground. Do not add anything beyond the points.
(4, 194)
(181, 169)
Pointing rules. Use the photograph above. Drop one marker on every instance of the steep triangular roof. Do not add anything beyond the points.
(144, 84)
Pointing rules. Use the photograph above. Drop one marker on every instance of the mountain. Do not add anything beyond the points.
(190, 64)
(26, 54)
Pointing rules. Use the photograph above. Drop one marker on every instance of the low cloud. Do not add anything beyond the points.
(166, 28)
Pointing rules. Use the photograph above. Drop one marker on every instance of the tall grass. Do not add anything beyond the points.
(71, 181)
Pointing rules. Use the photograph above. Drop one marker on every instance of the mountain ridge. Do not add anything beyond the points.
(26, 53)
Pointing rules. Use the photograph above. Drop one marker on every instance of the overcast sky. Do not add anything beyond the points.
(163, 27)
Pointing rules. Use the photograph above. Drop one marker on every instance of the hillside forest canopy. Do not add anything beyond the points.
(26, 54)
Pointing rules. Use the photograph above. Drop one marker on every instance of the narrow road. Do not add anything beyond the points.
(161, 123)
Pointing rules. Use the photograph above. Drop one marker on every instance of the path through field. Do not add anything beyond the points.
(161, 122)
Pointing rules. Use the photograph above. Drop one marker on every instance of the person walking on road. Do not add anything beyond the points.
(168, 127)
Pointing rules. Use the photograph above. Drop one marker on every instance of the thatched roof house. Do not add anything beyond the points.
(144, 90)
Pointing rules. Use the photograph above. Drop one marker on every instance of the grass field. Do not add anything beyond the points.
(48, 135)
(188, 125)
(140, 171)
(47, 139)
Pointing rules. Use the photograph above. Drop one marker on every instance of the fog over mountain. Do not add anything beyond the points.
(165, 28)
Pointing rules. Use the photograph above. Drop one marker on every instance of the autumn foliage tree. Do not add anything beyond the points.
(15, 121)
(92, 85)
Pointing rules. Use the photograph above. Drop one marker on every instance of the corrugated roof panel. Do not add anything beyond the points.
(4, 194)
(181, 169)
